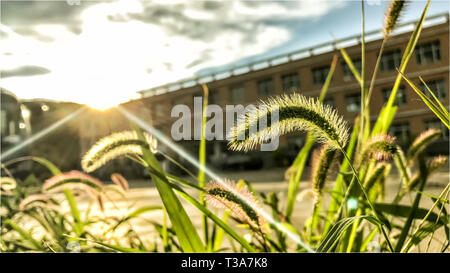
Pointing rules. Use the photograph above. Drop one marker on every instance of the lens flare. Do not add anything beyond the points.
(180, 151)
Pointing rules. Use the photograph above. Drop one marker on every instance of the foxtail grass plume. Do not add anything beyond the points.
(401, 163)
(73, 178)
(220, 196)
(413, 182)
(432, 165)
(392, 16)
(35, 200)
(323, 160)
(421, 142)
(120, 181)
(115, 145)
(7, 183)
(436, 163)
(295, 113)
(378, 147)
(376, 174)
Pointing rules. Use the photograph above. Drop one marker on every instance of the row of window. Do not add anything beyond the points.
(401, 130)
(425, 54)
(353, 101)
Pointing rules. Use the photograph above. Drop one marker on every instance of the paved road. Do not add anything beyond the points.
(140, 196)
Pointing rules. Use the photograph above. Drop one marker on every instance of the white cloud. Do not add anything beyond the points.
(110, 59)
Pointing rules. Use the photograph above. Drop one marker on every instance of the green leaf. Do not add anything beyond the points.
(300, 160)
(349, 62)
(439, 110)
(135, 214)
(405, 58)
(181, 223)
(78, 224)
(404, 211)
(25, 235)
(335, 233)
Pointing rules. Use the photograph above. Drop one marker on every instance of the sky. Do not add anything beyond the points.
(101, 53)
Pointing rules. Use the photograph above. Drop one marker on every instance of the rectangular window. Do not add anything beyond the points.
(329, 101)
(437, 124)
(353, 102)
(177, 101)
(400, 96)
(320, 74)
(428, 53)
(237, 94)
(158, 112)
(265, 87)
(437, 86)
(4, 124)
(291, 82)
(390, 60)
(401, 131)
(348, 74)
(213, 97)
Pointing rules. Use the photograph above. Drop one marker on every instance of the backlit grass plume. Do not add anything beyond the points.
(7, 183)
(375, 175)
(436, 163)
(120, 181)
(378, 147)
(421, 142)
(401, 163)
(35, 200)
(73, 178)
(112, 146)
(295, 113)
(323, 161)
(237, 199)
(392, 16)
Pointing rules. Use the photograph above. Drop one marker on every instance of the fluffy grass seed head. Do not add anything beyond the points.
(392, 16)
(231, 197)
(378, 147)
(376, 174)
(421, 142)
(35, 200)
(295, 113)
(7, 183)
(323, 159)
(432, 165)
(76, 179)
(120, 181)
(437, 162)
(112, 146)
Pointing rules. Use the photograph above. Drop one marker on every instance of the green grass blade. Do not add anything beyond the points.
(404, 211)
(25, 235)
(300, 160)
(186, 233)
(44, 162)
(335, 233)
(78, 223)
(438, 110)
(405, 59)
(349, 62)
(202, 161)
(339, 186)
(134, 214)
(444, 110)
(216, 220)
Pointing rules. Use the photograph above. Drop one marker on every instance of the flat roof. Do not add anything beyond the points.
(288, 57)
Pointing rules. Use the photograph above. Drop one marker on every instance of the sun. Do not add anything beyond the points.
(101, 104)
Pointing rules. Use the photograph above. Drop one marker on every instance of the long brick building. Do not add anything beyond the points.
(304, 72)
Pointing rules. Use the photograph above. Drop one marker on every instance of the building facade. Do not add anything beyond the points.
(304, 72)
